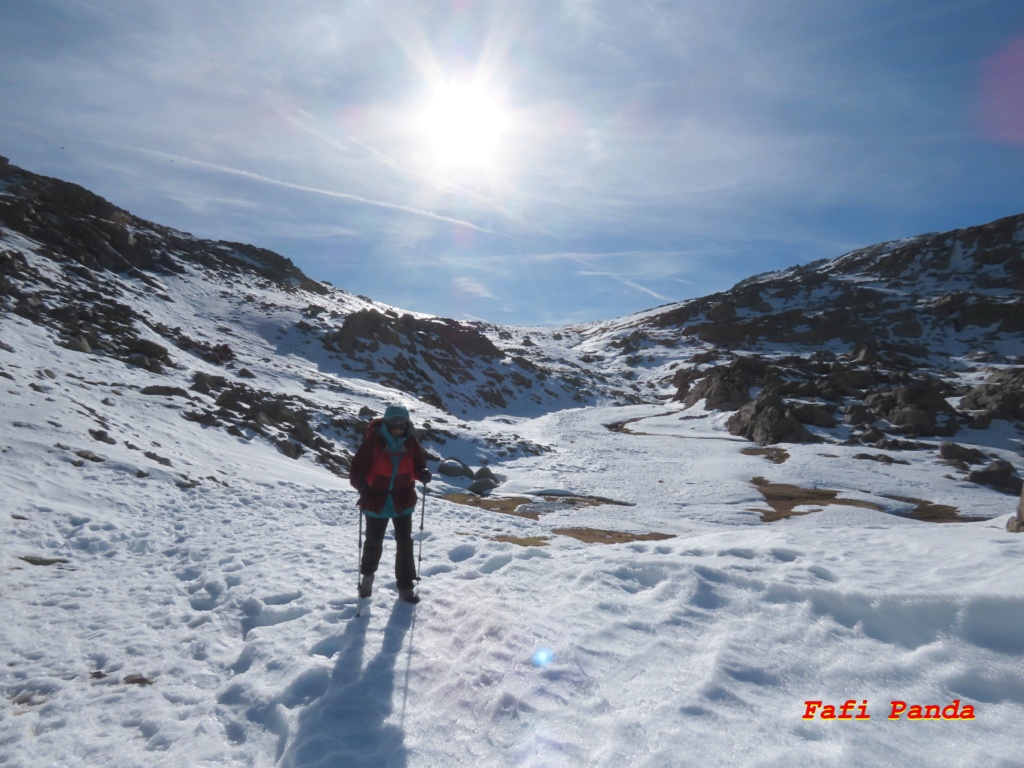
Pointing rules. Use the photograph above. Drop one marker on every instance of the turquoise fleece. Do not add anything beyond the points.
(394, 446)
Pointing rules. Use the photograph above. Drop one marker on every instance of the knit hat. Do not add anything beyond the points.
(396, 412)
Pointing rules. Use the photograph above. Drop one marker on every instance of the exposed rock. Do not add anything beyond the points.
(148, 348)
(727, 387)
(1016, 524)
(166, 391)
(768, 420)
(205, 383)
(485, 473)
(483, 486)
(79, 344)
(954, 452)
(815, 414)
(917, 409)
(1000, 475)
(1001, 397)
(452, 467)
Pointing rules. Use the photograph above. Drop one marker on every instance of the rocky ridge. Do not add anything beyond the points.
(897, 347)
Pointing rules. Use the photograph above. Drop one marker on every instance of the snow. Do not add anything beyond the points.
(190, 599)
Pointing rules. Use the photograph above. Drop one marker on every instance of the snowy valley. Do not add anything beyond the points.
(740, 530)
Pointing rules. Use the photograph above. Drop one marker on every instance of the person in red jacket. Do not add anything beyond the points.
(384, 470)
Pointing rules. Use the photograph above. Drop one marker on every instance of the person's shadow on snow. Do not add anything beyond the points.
(347, 725)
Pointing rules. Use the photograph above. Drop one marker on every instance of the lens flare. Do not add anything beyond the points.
(542, 657)
(1002, 95)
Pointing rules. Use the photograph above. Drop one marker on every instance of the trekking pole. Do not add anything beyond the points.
(423, 515)
(359, 563)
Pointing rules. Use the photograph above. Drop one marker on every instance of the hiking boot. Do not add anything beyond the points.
(408, 596)
(366, 585)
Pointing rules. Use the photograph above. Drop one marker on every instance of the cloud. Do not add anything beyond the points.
(628, 283)
(306, 188)
(473, 287)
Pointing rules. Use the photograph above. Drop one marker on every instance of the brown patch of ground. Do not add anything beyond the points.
(623, 426)
(596, 536)
(784, 499)
(773, 454)
(519, 505)
(507, 506)
(524, 541)
(33, 560)
(930, 512)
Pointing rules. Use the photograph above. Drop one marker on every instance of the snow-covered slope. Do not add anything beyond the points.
(179, 540)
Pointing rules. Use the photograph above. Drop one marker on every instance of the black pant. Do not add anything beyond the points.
(405, 562)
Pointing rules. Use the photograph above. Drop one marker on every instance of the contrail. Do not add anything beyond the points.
(304, 188)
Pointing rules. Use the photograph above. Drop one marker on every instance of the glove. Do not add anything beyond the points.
(425, 476)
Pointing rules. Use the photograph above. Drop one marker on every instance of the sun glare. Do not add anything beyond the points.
(463, 125)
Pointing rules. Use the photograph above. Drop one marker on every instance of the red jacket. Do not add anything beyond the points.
(371, 469)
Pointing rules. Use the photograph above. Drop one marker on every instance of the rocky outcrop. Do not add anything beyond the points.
(1000, 397)
(999, 474)
(768, 420)
(917, 410)
(370, 328)
(91, 235)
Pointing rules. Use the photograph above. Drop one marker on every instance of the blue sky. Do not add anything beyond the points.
(647, 151)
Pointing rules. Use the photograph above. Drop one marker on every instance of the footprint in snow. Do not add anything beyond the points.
(496, 563)
(189, 574)
(746, 554)
(256, 614)
(283, 599)
(822, 573)
(206, 596)
(461, 553)
(785, 555)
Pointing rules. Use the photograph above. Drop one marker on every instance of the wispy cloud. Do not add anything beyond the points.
(473, 287)
(628, 283)
(306, 188)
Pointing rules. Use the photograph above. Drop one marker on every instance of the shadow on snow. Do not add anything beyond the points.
(349, 724)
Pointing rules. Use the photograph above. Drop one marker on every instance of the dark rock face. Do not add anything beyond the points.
(1000, 475)
(82, 230)
(1001, 397)
(769, 420)
(918, 410)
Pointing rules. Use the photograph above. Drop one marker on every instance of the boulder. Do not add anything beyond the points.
(919, 408)
(999, 475)
(769, 420)
(148, 348)
(1016, 524)
(1001, 397)
(815, 414)
(452, 467)
(485, 473)
(727, 387)
(483, 486)
(954, 452)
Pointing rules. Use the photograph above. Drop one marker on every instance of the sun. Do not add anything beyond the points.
(463, 125)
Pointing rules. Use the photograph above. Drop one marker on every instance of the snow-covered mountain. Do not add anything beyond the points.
(178, 416)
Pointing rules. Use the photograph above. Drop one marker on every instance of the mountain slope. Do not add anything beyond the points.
(920, 338)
